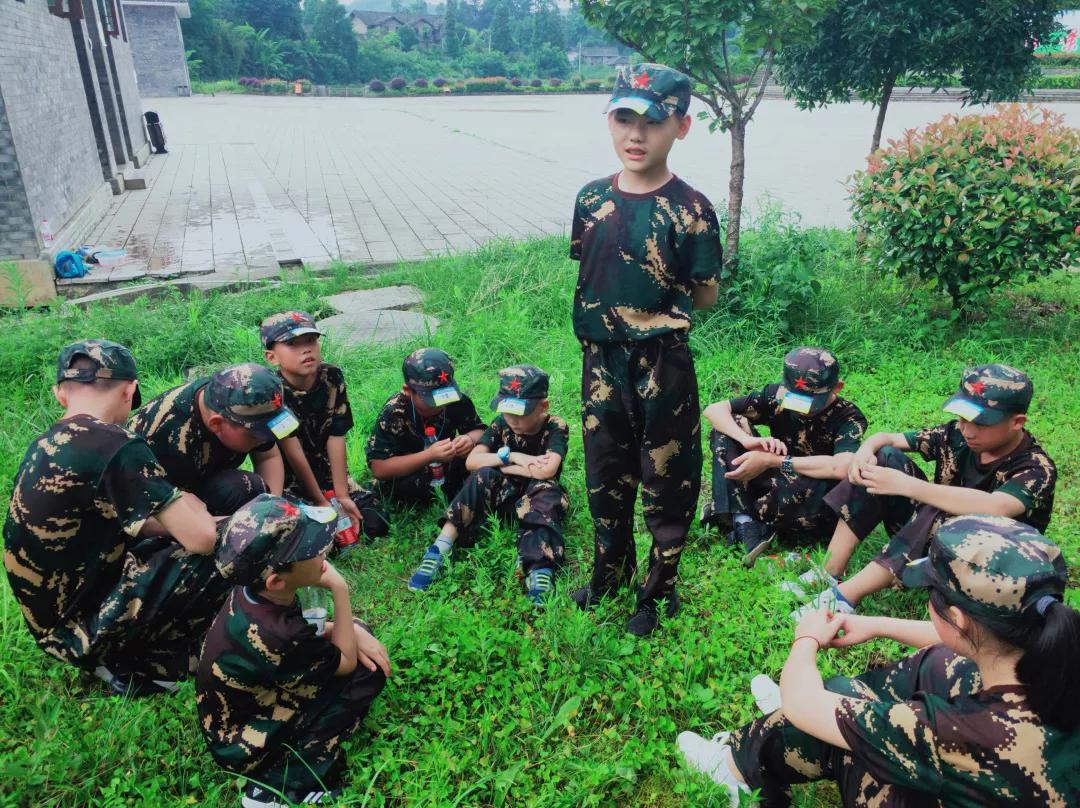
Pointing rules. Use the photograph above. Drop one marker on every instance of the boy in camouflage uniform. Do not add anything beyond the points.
(984, 462)
(314, 392)
(977, 717)
(515, 472)
(276, 699)
(202, 431)
(776, 485)
(106, 558)
(650, 253)
(398, 454)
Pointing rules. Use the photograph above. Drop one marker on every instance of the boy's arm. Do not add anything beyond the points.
(187, 520)
(294, 453)
(705, 295)
(403, 465)
(271, 468)
(819, 467)
(867, 454)
(722, 420)
(339, 467)
(343, 635)
(482, 457)
(951, 499)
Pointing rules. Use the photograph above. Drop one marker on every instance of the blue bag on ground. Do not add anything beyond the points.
(69, 265)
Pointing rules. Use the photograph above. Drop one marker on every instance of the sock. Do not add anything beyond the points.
(740, 518)
(836, 591)
(444, 544)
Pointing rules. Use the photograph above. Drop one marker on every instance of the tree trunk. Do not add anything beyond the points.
(883, 105)
(735, 194)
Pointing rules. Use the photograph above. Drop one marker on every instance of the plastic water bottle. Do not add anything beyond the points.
(47, 236)
(346, 534)
(438, 472)
(314, 605)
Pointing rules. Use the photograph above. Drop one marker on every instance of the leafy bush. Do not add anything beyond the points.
(439, 81)
(551, 61)
(1070, 82)
(972, 202)
(276, 86)
(397, 83)
(593, 84)
(515, 82)
(1059, 59)
(492, 84)
(575, 81)
(420, 83)
(376, 86)
(536, 83)
(554, 82)
(486, 65)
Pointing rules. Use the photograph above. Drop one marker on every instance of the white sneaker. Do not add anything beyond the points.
(711, 758)
(829, 599)
(766, 693)
(813, 578)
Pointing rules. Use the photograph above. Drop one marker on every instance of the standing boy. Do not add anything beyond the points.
(763, 486)
(202, 431)
(650, 253)
(276, 699)
(314, 392)
(515, 471)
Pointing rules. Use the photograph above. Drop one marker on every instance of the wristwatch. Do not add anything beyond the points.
(787, 465)
(503, 454)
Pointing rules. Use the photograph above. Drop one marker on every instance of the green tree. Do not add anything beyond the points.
(501, 38)
(547, 27)
(728, 49)
(263, 55)
(328, 23)
(281, 18)
(551, 62)
(408, 37)
(862, 47)
(452, 32)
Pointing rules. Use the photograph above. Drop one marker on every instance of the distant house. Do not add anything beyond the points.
(604, 55)
(428, 28)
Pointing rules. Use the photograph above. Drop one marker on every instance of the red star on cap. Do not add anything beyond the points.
(800, 383)
(642, 81)
(514, 385)
(443, 376)
(276, 400)
(289, 509)
(297, 316)
(977, 388)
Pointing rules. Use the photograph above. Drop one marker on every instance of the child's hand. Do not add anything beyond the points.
(822, 625)
(749, 465)
(370, 652)
(771, 445)
(857, 629)
(350, 509)
(331, 579)
(441, 451)
(462, 445)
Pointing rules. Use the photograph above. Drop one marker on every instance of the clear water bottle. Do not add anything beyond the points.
(314, 605)
(438, 471)
(47, 236)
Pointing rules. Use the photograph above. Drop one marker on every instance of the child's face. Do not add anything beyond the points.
(991, 437)
(528, 424)
(423, 409)
(297, 357)
(641, 143)
(300, 573)
(233, 436)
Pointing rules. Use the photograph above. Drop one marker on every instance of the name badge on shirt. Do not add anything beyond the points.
(797, 402)
(514, 406)
(322, 514)
(283, 424)
(445, 395)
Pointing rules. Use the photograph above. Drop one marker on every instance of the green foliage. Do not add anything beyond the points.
(489, 64)
(1059, 59)
(551, 62)
(280, 18)
(494, 84)
(974, 202)
(501, 37)
(407, 37)
(452, 33)
(1069, 82)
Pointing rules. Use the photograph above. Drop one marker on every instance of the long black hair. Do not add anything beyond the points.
(1049, 668)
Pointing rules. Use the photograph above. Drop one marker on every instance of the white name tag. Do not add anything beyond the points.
(323, 515)
(967, 410)
(797, 402)
(514, 406)
(445, 395)
(283, 424)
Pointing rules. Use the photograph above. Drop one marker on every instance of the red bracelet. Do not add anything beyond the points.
(806, 637)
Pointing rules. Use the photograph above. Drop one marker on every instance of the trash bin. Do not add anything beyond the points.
(155, 132)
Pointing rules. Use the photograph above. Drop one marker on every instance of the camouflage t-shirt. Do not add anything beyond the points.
(970, 750)
(189, 452)
(838, 428)
(1026, 473)
(641, 257)
(400, 429)
(553, 436)
(262, 665)
(83, 488)
(323, 412)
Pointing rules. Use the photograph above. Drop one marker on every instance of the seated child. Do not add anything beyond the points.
(276, 699)
(315, 393)
(515, 471)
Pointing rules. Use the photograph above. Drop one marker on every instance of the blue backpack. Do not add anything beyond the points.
(69, 265)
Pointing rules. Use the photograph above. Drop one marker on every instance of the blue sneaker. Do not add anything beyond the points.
(429, 567)
(540, 582)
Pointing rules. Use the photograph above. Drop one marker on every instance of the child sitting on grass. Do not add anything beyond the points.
(515, 472)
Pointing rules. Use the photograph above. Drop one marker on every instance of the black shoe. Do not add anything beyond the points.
(585, 598)
(256, 796)
(645, 619)
(720, 522)
(137, 686)
(755, 539)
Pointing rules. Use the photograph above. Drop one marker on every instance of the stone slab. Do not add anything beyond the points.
(389, 297)
(379, 327)
(26, 283)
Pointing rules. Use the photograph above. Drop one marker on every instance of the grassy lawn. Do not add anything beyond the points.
(491, 704)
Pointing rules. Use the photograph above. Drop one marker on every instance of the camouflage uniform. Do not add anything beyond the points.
(788, 502)
(642, 256)
(923, 731)
(270, 705)
(1026, 473)
(91, 590)
(193, 457)
(539, 505)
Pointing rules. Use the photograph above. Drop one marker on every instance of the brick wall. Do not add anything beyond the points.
(123, 56)
(157, 45)
(17, 231)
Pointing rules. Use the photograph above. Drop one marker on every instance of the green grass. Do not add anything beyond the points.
(491, 704)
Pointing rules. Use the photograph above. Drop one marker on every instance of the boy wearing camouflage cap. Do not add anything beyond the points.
(985, 461)
(515, 473)
(399, 454)
(106, 558)
(202, 431)
(985, 714)
(314, 391)
(649, 248)
(765, 486)
(276, 699)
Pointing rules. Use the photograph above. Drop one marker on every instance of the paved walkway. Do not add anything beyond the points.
(251, 184)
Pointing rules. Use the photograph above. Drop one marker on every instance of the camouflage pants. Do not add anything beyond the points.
(229, 490)
(906, 521)
(375, 497)
(307, 755)
(154, 620)
(641, 416)
(773, 755)
(539, 506)
(792, 504)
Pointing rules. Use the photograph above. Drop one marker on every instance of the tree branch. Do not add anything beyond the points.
(764, 81)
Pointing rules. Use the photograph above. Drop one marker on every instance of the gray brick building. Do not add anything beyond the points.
(70, 120)
(157, 44)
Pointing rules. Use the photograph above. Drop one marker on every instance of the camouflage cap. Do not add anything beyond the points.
(269, 533)
(521, 389)
(990, 566)
(250, 396)
(430, 374)
(112, 360)
(810, 374)
(655, 91)
(287, 325)
(989, 394)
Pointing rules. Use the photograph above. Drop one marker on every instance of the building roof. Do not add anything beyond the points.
(370, 18)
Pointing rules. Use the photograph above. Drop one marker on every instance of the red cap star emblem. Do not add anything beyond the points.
(297, 316)
(642, 81)
(289, 509)
(514, 385)
(276, 400)
(977, 388)
(800, 383)
(444, 376)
